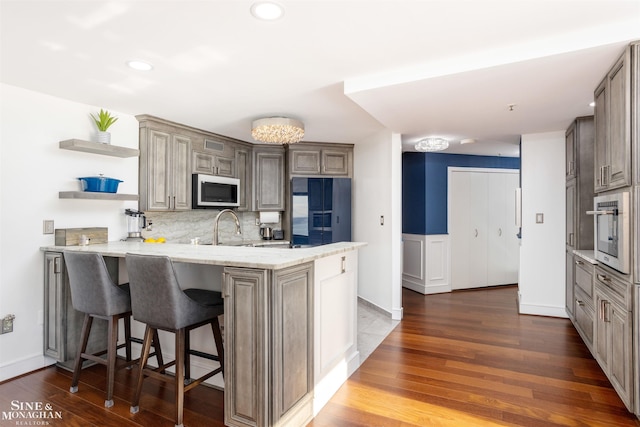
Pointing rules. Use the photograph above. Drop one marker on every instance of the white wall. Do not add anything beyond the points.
(32, 172)
(542, 251)
(377, 191)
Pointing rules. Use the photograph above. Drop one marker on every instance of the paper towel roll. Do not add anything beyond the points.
(269, 217)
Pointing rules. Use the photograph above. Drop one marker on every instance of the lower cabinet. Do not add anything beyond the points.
(269, 343)
(613, 334)
(62, 323)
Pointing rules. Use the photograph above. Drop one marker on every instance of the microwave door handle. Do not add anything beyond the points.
(602, 212)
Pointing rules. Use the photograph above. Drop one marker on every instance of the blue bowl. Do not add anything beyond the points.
(99, 184)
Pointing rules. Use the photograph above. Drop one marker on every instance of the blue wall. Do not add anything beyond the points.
(424, 187)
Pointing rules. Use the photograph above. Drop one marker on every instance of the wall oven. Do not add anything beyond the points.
(611, 230)
(214, 192)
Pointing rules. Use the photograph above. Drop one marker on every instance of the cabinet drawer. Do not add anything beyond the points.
(615, 289)
(584, 273)
(584, 317)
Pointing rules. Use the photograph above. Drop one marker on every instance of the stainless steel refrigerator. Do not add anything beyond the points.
(321, 211)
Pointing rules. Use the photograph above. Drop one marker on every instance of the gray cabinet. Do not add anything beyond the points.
(308, 159)
(243, 173)
(613, 126)
(269, 346)
(214, 156)
(62, 323)
(165, 170)
(583, 291)
(268, 179)
(613, 333)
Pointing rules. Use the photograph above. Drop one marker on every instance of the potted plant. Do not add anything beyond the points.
(103, 121)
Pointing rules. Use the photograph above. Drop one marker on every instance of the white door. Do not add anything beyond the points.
(503, 249)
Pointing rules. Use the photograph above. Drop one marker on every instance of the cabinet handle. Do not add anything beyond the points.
(570, 239)
(225, 287)
(578, 262)
(605, 311)
(580, 303)
(56, 266)
(603, 278)
(343, 265)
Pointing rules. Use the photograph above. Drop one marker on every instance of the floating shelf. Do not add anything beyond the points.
(98, 148)
(95, 195)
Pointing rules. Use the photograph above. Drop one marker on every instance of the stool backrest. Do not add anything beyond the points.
(92, 290)
(156, 296)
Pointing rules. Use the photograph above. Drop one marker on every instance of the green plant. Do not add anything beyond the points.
(104, 120)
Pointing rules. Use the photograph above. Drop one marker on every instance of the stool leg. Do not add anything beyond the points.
(217, 337)
(112, 348)
(157, 350)
(127, 336)
(86, 328)
(187, 355)
(180, 351)
(146, 345)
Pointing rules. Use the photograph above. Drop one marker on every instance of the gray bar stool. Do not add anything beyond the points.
(158, 301)
(94, 294)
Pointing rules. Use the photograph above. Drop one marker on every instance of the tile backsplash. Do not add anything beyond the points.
(181, 227)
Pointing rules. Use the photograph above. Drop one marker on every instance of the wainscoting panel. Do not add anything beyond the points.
(425, 267)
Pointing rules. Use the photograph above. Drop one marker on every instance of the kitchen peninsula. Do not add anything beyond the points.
(290, 320)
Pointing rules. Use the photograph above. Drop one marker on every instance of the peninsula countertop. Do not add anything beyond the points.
(272, 258)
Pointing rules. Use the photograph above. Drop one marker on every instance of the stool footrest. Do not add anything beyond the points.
(204, 355)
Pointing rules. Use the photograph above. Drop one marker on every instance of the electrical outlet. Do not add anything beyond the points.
(7, 323)
(47, 226)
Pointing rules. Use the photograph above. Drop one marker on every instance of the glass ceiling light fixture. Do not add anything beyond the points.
(277, 130)
(267, 10)
(432, 144)
(136, 64)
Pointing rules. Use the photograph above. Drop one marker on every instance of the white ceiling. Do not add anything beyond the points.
(346, 69)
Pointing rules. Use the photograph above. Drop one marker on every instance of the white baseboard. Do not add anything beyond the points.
(331, 382)
(426, 290)
(25, 366)
(542, 310)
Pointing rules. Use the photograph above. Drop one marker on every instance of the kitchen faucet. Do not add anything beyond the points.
(217, 220)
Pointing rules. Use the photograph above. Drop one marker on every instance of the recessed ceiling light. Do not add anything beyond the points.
(140, 65)
(267, 10)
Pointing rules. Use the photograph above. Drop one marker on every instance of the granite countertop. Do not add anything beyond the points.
(587, 255)
(231, 256)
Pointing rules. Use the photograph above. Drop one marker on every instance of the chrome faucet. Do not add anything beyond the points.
(217, 220)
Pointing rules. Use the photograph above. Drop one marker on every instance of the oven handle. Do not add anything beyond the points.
(602, 212)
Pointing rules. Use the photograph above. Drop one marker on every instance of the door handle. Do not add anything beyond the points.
(476, 232)
(499, 231)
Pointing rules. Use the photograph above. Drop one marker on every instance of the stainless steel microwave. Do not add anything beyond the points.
(611, 230)
(213, 192)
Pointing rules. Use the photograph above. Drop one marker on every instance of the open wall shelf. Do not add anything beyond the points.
(98, 148)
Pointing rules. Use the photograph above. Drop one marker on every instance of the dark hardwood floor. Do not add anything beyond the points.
(460, 359)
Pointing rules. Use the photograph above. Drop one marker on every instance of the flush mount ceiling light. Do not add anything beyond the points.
(267, 10)
(139, 65)
(277, 130)
(432, 144)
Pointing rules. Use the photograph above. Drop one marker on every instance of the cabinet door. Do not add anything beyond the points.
(225, 166)
(305, 162)
(584, 318)
(619, 114)
(621, 368)
(54, 306)
(601, 340)
(243, 173)
(570, 149)
(268, 184)
(335, 162)
(160, 187)
(570, 229)
(292, 339)
(569, 283)
(246, 347)
(601, 135)
(181, 172)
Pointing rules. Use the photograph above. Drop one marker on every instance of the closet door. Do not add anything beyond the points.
(503, 247)
(468, 229)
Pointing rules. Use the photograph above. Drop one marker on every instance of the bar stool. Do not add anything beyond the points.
(158, 301)
(94, 294)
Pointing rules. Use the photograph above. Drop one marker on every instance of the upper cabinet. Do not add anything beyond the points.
(170, 153)
(308, 159)
(268, 178)
(613, 127)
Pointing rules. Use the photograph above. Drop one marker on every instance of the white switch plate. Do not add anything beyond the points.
(47, 226)
(539, 218)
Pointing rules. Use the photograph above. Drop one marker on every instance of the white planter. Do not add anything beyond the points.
(104, 137)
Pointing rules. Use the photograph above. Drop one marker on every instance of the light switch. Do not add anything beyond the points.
(539, 218)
